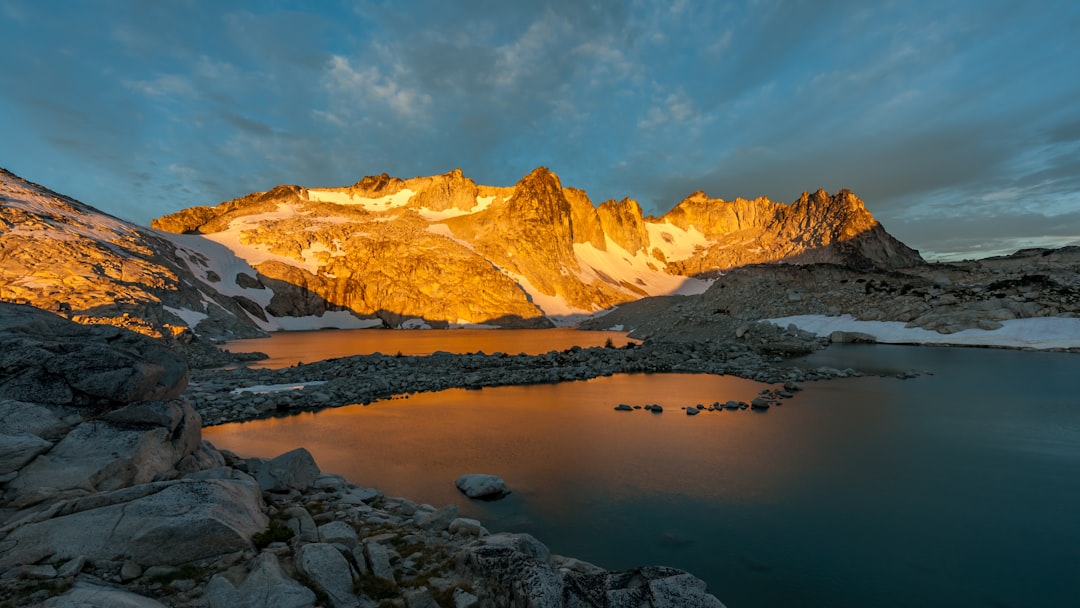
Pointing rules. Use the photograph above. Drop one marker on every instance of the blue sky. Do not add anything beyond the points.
(957, 122)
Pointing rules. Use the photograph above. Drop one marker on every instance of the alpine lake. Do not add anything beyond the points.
(959, 487)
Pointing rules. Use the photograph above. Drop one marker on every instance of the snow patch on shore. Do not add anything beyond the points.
(190, 317)
(1038, 333)
(262, 389)
(332, 319)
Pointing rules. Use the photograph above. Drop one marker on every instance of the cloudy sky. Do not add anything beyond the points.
(957, 122)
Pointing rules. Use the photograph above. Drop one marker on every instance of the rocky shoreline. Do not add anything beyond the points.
(112, 498)
(241, 394)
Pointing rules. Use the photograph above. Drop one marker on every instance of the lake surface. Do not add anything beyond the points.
(960, 488)
(291, 347)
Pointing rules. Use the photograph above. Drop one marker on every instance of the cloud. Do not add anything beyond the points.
(165, 85)
(369, 88)
(928, 111)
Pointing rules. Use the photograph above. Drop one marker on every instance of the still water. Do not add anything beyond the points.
(960, 488)
(291, 347)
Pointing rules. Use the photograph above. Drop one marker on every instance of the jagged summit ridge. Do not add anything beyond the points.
(539, 249)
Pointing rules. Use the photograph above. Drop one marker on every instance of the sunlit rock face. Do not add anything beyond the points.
(61, 255)
(816, 228)
(444, 251)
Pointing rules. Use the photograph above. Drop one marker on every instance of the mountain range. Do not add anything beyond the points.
(438, 251)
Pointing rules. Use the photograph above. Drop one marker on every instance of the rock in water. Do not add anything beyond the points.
(483, 487)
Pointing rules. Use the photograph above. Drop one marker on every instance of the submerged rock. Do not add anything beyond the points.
(484, 487)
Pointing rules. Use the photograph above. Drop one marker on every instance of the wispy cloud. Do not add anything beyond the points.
(368, 87)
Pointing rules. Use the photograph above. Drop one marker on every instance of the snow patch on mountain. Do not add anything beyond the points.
(382, 203)
(190, 317)
(618, 267)
(675, 243)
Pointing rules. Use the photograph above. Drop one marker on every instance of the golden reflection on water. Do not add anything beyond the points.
(292, 347)
(548, 441)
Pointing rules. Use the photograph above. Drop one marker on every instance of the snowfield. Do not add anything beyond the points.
(1039, 333)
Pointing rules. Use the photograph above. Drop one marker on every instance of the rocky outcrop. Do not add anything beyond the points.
(943, 297)
(443, 192)
(61, 255)
(623, 223)
(185, 221)
(110, 467)
(47, 359)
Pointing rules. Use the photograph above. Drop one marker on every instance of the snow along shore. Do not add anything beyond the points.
(1040, 333)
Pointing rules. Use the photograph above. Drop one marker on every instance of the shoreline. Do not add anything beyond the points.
(222, 396)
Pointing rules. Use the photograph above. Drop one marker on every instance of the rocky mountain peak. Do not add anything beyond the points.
(374, 186)
(538, 198)
(442, 192)
(623, 222)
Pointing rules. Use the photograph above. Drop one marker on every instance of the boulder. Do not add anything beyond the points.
(294, 470)
(464, 525)
(102, 456)
(438, 520)
(328, 570)
(507, 575)
(485, 487)
(301, 523)
(378, 561)
(161, 523)
(761, 403)
(89, 595)
(266, 586)
(523, 543)
(338, 533)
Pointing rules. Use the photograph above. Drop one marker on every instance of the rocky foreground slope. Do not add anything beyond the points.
(111, 498)
(60, 255)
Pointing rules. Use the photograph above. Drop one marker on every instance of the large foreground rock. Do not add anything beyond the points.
(133, 445)
(294, 470)
(47, 359)
(163, 523)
